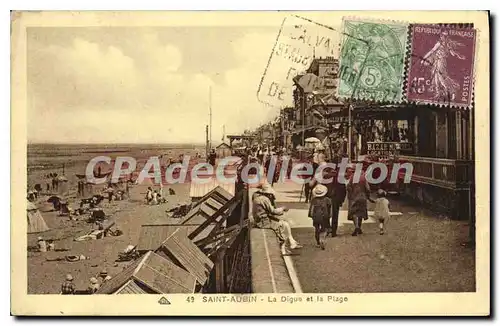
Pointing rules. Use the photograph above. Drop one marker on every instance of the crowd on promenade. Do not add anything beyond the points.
(324, 193)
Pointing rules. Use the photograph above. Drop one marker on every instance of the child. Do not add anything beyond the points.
(381, 209)
(320, 211)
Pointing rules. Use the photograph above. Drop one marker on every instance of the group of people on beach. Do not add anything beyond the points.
(155, 197)
(95, 282)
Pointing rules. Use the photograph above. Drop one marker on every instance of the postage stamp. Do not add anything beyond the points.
(441, 65)
(372, 60)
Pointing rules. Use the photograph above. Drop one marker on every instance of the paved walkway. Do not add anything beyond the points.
(289, 193)
(420, 252)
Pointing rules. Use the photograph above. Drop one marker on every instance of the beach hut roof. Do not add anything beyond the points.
(152, 274)
(189, 256)
(223, 145)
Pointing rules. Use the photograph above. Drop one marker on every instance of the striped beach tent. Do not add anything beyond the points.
(36, 223)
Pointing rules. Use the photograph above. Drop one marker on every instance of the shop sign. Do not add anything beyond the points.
(388, 148)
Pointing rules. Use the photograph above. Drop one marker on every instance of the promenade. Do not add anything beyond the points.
(420, 251)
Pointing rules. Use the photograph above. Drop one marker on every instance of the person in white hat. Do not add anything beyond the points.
(68, 287)
(94, 285)
(336, 192)
(267, 216)
(381, 212)
(42, 244)
(320, 211)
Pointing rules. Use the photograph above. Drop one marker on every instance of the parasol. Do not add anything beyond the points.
(312, 140)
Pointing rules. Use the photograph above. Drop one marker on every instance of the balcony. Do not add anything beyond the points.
(443, 184)
(444, 173)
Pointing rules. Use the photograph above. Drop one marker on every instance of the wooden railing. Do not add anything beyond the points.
(446, 173)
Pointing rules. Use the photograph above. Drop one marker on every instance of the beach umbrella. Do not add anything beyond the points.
(53, 199)
(312, 140)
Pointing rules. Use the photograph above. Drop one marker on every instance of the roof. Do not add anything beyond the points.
(188, 255)
(328, 98)
(316, 61)
(223, 145)
(240, 136)
(209, 203)
(153, 235)
(134, 287)
(120, 279)
(150, 274)
(198, 189)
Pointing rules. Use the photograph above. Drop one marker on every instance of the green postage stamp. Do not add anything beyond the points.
(372, 60)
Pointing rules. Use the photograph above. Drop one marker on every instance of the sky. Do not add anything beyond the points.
(144, 85)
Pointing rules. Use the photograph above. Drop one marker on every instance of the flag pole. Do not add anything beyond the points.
(210, 108)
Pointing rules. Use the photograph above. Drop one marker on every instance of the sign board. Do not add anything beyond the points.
(299, 41)
(308, 82)
(388, 148)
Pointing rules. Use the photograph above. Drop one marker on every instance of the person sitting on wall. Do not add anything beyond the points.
(267, 216)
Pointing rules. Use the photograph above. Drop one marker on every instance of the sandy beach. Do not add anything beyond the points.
(45, 277)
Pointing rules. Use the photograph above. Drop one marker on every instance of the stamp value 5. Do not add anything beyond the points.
(372, 61)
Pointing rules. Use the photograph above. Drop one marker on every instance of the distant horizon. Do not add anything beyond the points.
(110, 143)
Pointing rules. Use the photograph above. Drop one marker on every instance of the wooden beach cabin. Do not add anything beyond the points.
(223, 150)
(150, 274)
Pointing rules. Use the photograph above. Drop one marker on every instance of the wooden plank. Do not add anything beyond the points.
(131, 287)
(214, 203)
(206, 210)
(220, 280)
(162, 283)
(202, 199)
(152, 236)
(195, 210)
(221, 192)
(230, 205)
(189, 256)
(216, 235)
(120, 279)
(175, 278)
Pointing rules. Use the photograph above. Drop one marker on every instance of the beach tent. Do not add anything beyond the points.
(36, 223)
(63, 185)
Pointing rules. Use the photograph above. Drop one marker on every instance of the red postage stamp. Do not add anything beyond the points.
(441, 65)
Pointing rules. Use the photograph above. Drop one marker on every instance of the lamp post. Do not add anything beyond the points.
(349, 128)
(304, 103)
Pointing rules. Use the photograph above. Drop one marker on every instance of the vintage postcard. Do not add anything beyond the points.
(250, 163)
